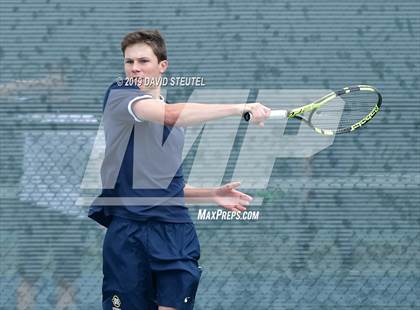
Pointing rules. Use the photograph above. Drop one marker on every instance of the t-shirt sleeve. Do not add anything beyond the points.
(119, 103)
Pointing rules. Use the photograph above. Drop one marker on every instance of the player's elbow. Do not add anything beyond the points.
(172, 114)
(169, 118)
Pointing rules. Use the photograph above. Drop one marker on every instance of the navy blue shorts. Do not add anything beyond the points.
(146, 264)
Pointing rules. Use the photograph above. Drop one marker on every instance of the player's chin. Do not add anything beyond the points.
(147, 88)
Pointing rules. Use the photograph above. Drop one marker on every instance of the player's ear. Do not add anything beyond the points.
(163, 65)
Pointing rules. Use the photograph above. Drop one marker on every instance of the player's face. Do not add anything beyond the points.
(140, 61)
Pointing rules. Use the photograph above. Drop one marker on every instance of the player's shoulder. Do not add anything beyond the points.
(118, 91)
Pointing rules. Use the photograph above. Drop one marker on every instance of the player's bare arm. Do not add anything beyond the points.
(187, 114)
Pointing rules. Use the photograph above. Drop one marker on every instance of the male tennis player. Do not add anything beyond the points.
(151, 250)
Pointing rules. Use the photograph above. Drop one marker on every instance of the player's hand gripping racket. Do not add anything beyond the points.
(338, 112)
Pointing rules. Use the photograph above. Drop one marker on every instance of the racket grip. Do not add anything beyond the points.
(247, 116)
(273, 114)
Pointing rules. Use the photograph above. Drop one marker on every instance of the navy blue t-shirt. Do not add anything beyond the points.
(141, 173)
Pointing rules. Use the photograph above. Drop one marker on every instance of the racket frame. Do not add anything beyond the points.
(312, 107)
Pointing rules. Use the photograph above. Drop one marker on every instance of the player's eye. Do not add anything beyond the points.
(144, 61)
(128, 61)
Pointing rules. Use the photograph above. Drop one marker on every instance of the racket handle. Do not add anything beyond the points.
(273, 114)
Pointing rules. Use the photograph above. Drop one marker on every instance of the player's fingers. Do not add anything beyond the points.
(233, 185)
(233, 209)
(240, 208)
(261, 124)
(247, 197)
(237, 207)
(243, 196)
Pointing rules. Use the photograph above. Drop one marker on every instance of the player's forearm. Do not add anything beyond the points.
(198, 195)
(187, 114)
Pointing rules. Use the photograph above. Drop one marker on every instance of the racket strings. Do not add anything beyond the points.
(344, 111)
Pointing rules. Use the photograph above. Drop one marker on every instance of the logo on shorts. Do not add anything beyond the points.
(187, 299)
(116, 302)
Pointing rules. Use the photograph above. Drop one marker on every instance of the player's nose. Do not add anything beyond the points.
(136, 67)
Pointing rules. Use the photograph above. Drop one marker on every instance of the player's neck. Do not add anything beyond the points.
(155, 92)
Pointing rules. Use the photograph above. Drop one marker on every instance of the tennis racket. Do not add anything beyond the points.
(337, 112)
